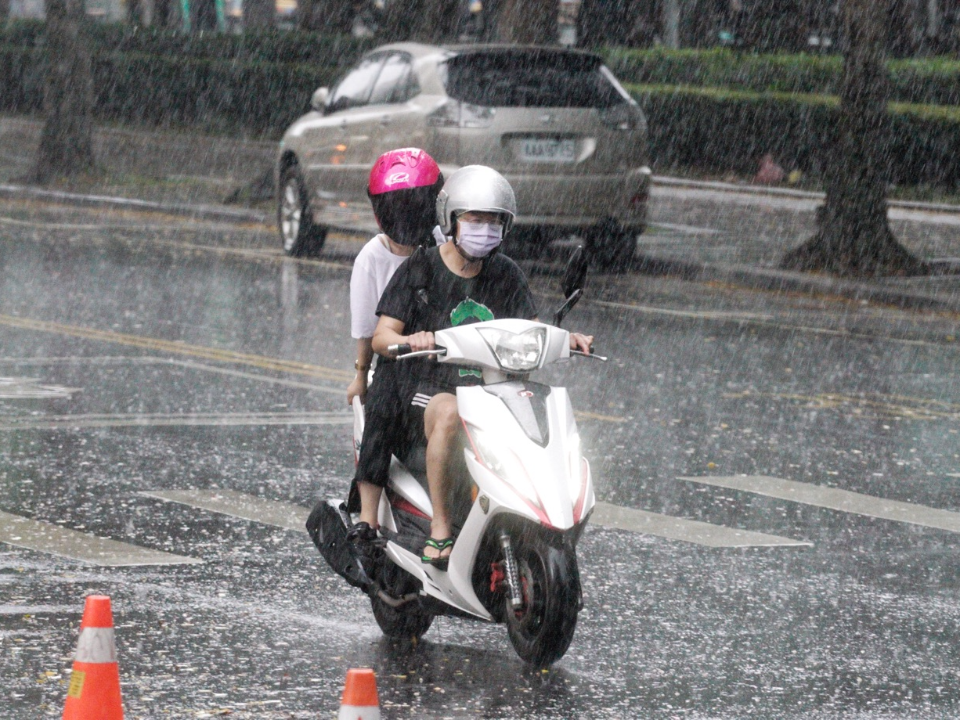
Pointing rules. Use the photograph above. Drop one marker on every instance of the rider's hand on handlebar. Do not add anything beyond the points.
(421, 341)
(581, 342)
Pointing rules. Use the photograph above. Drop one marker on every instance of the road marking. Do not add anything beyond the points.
(836, 499)
(742, 317)
(584, 415)
(246, 507)
(179, 348)
(13, 388)
(63, 422)
(147, 360)
(692, 531)
(878, 405)
(688, 229)
(48, 538)
(292, 517)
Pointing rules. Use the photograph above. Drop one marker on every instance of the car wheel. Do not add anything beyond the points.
(300, 237)
(611, 247)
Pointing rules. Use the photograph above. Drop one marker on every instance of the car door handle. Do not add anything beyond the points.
(386, 120)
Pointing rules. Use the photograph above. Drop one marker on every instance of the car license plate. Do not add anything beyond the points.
(546, 150)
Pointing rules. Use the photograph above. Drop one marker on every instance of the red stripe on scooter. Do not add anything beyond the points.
(538, 511)
(403, 504)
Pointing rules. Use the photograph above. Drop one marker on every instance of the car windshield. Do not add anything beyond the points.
(532, 79)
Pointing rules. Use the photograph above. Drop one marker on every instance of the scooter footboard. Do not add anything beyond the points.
(327, 526)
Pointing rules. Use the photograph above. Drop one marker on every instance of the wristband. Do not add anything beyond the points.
(357, 366)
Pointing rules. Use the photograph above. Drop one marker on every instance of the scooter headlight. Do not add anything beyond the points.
(516, 352)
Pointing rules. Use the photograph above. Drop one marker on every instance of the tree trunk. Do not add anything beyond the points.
(258, 14)
(137, 13)
(853, 238)
(66, 141)
(603, 22)
(430, 21)
(327, 16)
(528, 22)
(166, 14)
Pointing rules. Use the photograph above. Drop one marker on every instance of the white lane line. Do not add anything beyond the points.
(293, 517)
(836, 499)
(746, 317)
(20, 388)
(48, 538)
(259, 378)
(69, 422)
(692, 531)
(246, 507)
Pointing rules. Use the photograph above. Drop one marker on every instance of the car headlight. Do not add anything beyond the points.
(517, 352)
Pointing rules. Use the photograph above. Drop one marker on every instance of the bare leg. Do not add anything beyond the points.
(442, 426)
(369, 503)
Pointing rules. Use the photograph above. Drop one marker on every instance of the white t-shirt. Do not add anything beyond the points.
(372, 270)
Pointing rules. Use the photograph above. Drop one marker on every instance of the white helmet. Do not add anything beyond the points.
(475, 188)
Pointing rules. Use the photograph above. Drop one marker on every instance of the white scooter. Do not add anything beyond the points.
(522, 499)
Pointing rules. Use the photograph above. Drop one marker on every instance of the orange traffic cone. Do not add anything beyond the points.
(94, 691)
(360, 701)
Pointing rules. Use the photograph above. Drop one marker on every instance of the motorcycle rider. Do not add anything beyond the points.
(402, 187)
(466, 280)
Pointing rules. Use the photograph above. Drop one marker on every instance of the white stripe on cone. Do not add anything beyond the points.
(96, 645)
(359, 712)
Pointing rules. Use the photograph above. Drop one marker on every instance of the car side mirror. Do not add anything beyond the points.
(319, 100)
(572, 283)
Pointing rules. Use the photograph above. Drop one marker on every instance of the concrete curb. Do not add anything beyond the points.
(668, 181)
(742, 275)
(204, 212)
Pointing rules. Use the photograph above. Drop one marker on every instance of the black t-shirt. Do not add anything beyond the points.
(500, 290)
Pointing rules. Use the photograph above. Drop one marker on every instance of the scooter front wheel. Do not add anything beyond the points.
(542, 628)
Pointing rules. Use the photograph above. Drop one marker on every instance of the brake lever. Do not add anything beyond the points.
(601, 358)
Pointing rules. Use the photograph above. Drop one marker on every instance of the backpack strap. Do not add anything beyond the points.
(421, 275)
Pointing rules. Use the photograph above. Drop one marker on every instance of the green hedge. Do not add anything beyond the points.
(259, 98)
(222, 83)
(726, 130)
(934, 81)
(250, 47)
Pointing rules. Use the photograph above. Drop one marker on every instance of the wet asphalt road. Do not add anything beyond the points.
(148, 355)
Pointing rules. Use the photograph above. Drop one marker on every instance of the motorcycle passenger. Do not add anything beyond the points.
(402, 187)
(463, 281)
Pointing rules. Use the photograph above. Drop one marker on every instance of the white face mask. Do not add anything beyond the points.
(479, 239)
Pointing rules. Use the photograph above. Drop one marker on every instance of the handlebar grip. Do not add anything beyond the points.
(401, 349)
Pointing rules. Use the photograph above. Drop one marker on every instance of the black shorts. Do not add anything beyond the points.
(415, 399)
(382, 426)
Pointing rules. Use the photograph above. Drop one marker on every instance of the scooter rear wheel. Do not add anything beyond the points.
(542, 629)
(408, 621)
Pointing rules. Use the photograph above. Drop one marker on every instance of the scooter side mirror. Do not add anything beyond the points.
(575, 274)
(574, 278)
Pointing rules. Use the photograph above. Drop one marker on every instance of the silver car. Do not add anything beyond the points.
(555, 122)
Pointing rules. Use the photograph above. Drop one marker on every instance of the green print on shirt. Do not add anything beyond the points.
(466, 310)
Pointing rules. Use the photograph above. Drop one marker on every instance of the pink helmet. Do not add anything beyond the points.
(403, 189)
(402, 169)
